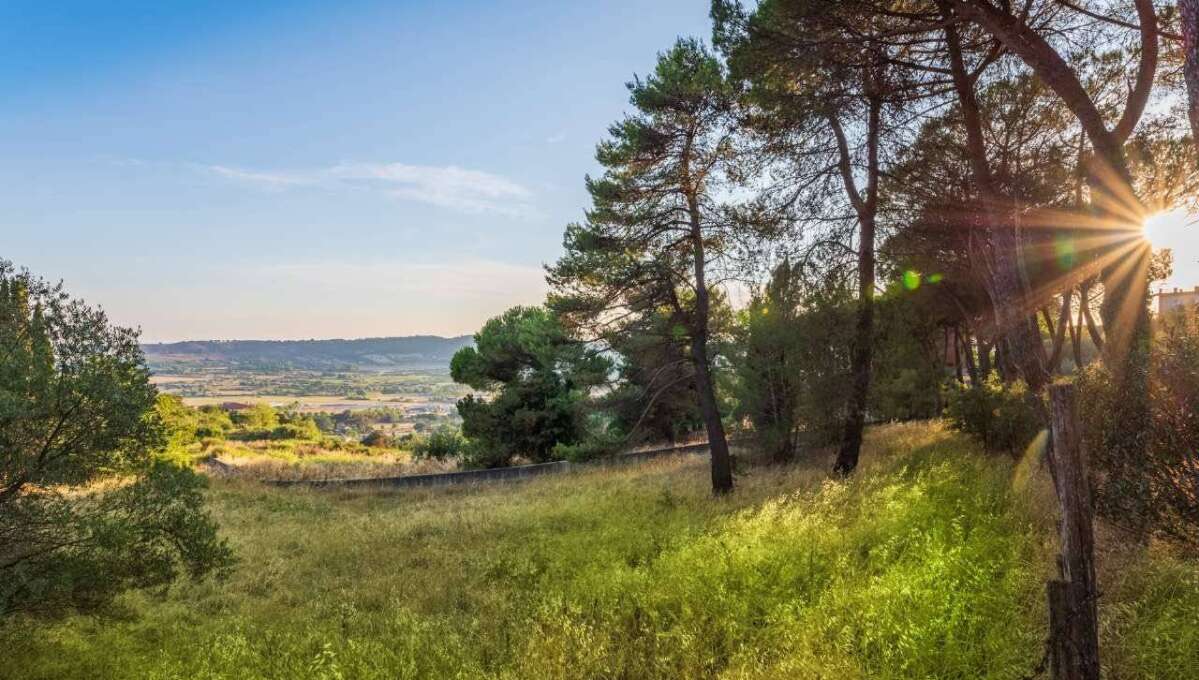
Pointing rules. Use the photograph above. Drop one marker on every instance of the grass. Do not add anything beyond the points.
(296, 459)
(929, 563)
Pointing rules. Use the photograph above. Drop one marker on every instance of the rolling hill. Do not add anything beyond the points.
(412, 352)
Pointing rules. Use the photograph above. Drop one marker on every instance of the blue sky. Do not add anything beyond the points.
(233, 169)
(308, 169)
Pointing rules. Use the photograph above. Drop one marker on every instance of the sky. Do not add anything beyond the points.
(231, 169)
(226, 169)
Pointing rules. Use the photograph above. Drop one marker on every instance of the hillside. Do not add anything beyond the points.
(412, 352)
(929, 563)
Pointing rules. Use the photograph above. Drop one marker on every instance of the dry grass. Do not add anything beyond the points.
(929, 563)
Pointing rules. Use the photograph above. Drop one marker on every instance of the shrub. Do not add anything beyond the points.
(1149, 481)
(377, 440)
(440, 444)
(302, 429)
(1002, 416)
(598, 445)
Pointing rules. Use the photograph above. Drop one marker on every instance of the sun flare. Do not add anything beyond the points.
(1160, 228)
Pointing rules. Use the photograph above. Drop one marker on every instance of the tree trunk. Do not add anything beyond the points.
(984, 359)
(722, 468)
(1073, 618)
(866, 207)
(1076, 340)
(968, 352)
(863, 355)
(1059, 331)
(1189, 13)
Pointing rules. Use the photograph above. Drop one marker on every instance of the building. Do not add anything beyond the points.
(1178, 299)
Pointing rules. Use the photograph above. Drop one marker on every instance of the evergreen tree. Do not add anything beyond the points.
(538, 380)
(656, 230)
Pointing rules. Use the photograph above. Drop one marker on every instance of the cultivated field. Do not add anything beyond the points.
(312, 391)
(929, 563)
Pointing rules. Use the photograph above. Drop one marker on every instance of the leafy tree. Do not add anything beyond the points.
(769, 385)
(538, 379)
(656, 231)
(826, 114)
(86, 510)
(795, 360)
(260, 416)
(655, 397)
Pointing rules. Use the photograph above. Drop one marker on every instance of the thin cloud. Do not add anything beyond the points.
(555, 139)
(265, 178)
(451, 187)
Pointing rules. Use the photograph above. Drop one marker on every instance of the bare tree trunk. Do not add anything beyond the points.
(1073, 617)
(1059, 333)
(722, 468)
(957, 357)
(984, 359)
(1076, 340)
(1189, 13)
(863, 355)
(863, 343)
(1084, 293)
(968, 352)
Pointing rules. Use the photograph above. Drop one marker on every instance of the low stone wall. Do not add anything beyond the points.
(497, 474)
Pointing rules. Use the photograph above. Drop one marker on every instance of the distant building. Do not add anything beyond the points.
(236, 406)
(1178, 299)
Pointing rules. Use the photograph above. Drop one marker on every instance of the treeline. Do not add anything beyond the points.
(212, 424)
(418, 351)
(917, 196)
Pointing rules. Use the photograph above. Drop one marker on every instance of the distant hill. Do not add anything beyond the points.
(417, 351)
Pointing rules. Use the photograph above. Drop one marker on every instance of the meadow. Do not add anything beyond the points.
(929, 563)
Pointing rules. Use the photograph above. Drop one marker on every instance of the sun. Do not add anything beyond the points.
(1161, 229)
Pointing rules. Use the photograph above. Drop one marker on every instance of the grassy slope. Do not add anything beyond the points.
(930, 563)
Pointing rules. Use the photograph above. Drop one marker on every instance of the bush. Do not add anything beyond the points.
(377, 440)
(1002, 416)
(600, 445)
(1149, 481)
(440, 444)
(302, 429)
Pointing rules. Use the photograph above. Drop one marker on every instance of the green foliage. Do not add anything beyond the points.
(1003, 416)
(793, 373)
(539, 381)
(651, 249)
(85, 510)
(260, 416)
(907, 369)
(769, 386)
(444, 443)
(185, 425)
(928, 564)
(1156, 491)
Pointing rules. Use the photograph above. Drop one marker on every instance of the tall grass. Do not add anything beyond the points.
(929, 563)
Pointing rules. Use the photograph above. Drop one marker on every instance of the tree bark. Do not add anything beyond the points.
(1059, 333)
(968, 352)
(1189, 13)
(1074, 627)
(863, 355)
(984, 359)
(1076, 340)
(722, 468)
(863, 342)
